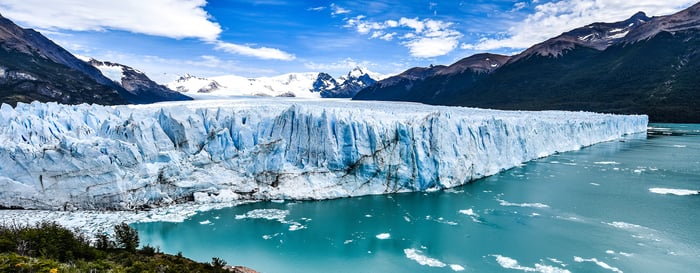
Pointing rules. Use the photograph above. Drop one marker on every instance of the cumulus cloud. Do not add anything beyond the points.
(553, 18)
(176, 19)
(425, 38)
(265, 53)
(167, 18)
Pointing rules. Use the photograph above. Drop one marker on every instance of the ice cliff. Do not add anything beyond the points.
(93, 157)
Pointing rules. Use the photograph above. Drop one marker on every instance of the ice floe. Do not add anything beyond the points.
(417, 255)
(383, 236)
(599, 263)
(510, 263)
(679, 192)
(524, 205)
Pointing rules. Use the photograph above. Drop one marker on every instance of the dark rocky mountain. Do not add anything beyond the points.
(640, 65)
(353, 82)
(597, 35)
(32, 67)
(140, 88)
(429, 84)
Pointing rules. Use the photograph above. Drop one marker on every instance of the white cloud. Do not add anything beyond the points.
(424, 38)
(336, 10)
(265, 53)
(413, 23)
(168, 18)
(164, 70)
(341, 65)
(553, 18)
(316, 8)
(388, 36)
(518, 6)
(428, 47)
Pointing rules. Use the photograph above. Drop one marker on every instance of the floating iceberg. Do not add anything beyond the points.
(94, 157)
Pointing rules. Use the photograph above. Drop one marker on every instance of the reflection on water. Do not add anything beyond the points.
(594, 210)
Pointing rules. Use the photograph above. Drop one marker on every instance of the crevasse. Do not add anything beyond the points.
(96, 157)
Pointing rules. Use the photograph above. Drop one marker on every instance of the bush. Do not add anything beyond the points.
(218, 263)
(102, 242)
(148, 250)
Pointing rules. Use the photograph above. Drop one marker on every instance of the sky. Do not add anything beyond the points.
(253, 38)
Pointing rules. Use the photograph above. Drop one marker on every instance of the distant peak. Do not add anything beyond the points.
(639, 16)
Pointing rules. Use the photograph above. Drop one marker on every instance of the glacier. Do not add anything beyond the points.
(67, 157)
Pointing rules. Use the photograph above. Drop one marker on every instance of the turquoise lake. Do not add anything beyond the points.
(603, 208)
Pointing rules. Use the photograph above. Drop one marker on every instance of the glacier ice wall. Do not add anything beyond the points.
(93, 157)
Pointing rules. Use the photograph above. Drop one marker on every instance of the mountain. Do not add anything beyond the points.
(32, 67)
(640, 65)
(349, 85)
(428, 84)
(140, 88)
(307, 85)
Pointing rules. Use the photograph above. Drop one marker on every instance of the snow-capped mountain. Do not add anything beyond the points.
(141, 88)
(597, 35)
(305, 85)
(348, 85)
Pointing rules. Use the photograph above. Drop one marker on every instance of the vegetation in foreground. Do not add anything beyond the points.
(50, 248)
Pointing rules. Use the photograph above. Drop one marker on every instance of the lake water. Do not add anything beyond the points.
(599, 209)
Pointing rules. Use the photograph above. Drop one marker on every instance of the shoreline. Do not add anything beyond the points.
(91, 223)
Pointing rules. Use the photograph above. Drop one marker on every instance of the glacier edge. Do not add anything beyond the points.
(125, 157)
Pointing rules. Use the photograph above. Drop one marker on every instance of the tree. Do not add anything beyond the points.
(102, 242)
(218, 263)
(127, 237)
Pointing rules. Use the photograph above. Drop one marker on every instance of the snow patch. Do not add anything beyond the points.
(113, 72)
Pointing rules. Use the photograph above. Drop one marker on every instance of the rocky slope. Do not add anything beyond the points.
(640, 65)
(33, 68)
(140, 88)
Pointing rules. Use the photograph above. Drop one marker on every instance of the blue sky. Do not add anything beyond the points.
(167, 38)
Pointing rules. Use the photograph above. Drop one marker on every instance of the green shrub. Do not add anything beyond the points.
(127, 237)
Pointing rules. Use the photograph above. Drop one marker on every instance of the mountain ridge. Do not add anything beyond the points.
(140, 87)
(639, 65)
(34, 68)
(304, 84)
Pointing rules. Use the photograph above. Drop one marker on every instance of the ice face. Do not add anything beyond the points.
(87, 156)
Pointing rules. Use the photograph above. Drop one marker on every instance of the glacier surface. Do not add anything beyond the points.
(124, 157)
